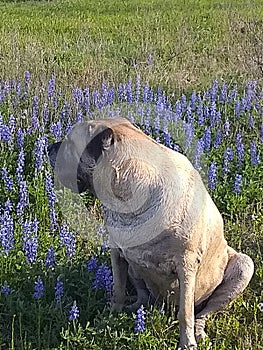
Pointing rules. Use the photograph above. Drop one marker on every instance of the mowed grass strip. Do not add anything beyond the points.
(179, 45)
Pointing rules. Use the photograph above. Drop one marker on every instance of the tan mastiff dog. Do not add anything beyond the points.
(166, 233)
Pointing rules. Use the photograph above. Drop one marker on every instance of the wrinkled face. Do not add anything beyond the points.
(74, 159)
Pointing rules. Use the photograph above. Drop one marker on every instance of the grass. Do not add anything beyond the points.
(90, 43)
(83, 44)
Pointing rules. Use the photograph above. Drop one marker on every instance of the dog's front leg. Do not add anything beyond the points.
(120, 273)
(186, 274)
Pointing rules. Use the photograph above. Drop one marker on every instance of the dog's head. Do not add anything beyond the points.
(75, 158)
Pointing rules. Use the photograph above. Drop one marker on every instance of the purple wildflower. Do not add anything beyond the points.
(237, 183)
(23, 198)
(212, 176)
(20, 165)
(30, 240)
(27, 79)
(50, 260)
(92, 264)
(226, 128)
(7, 229)
(254, 156)
(51, 87)
(5, 289)
(140, 320)
(199, 148)
(67, 239)
(20, 138)
(38, 288)
(228, 157)
(240, 149)
(103, 279)
(207, 137)
(101, 230)
(8, 181)
(59, 290)
(56, 130)
(39, 152)
(5, 133)
(74, 312)
(218, 139)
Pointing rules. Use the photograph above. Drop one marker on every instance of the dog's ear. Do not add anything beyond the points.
(102, 141)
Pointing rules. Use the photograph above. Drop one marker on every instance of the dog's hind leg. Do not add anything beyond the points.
(237, 275)
(143, 294)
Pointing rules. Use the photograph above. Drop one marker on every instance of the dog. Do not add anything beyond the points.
(165, 231)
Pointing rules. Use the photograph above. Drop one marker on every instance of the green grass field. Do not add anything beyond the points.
(179, 46)
(90, 42)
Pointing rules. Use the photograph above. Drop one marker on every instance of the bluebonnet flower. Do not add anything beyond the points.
(50, 260)
(101, 230)
(189, 135)
(103, 279)
(27, 79)
(38, 288)
(193, 101)
(237, 108)
(12, 123)
(34, 120)
(51, 87)
(67, 239)
(145, 93)
(240, 149)
(140, 320)
(23, 198)
(183, 102)
(138, 89)
(40, 151)
(199, 148)
(121, 92)
(5, 133)
(45, 113)
(74, 312)
(30, 247)
(92, 264)
(214, 91)
(228, 158)
(79, 117)
(68, 127)
(226, 128)
(129, 91)
(5, 289)
(105, 246)
(232, 95)
(212, 176)
(218, 139)
(30, 240)
(78, 95)
(20, 138)
(251, 122)
(59, 290)
(8, 181)
(223, 93)
(20, 166)
(254, 156)
(207, 138)
(200, 114)
(7, 228)
(56, 130)
(237, 183)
